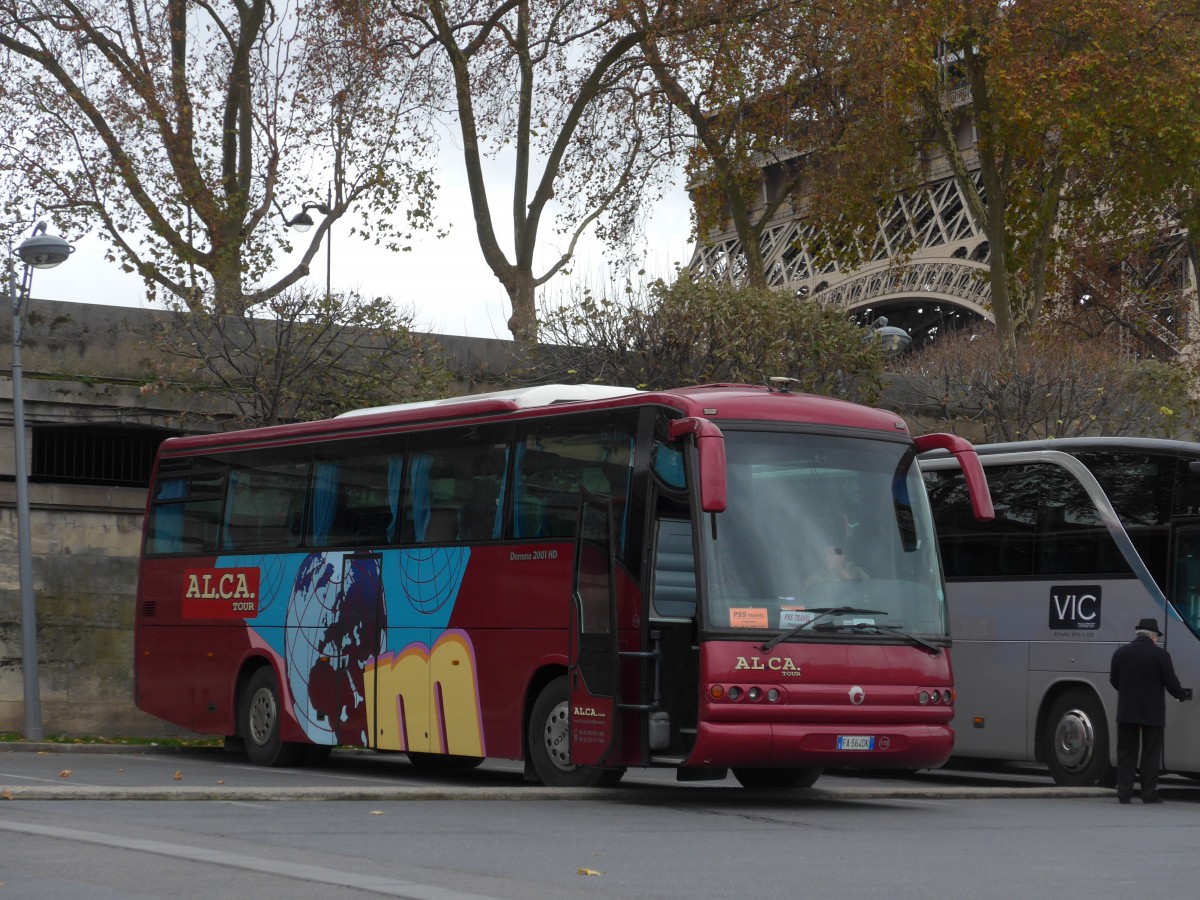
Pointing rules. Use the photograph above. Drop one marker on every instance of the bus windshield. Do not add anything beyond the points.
(823, 530)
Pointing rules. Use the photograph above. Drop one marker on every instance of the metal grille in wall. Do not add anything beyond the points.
(108, 455)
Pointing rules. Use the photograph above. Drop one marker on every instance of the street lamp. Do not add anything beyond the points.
(302, 222)
(891, 339)
(38, 251)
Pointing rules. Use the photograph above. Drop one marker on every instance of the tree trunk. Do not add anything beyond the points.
(522, 294)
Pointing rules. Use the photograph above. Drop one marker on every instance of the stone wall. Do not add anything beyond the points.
(86, 364)
(85, 542)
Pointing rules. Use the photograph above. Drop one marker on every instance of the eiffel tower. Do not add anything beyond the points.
(928, 271)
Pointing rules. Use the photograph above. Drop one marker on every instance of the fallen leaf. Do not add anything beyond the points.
(178, 776)
(377, 812)
(65, 773)
(222, 781)
(587, 872)
(6, 794)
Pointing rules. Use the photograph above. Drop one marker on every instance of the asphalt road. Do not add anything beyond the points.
(367, 824)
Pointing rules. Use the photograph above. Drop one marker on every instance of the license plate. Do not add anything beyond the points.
(855, 742)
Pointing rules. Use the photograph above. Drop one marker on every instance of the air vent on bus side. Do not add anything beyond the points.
(149, 609)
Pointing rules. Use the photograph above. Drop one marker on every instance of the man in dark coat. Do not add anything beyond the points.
(1140, 671)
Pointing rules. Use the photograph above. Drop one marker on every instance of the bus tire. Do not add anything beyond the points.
(776, 778)
(442, 762)
(1075, 740)
(549, 746)
(261, 711)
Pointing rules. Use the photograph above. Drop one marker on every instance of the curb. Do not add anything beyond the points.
(675, 793)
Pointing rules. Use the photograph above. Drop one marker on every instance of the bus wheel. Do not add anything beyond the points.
(776, 778)
(549, 742)
(260, 714)
(1075, 740)
(442, 762)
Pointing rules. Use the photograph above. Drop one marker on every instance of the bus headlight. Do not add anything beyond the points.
(923, 697)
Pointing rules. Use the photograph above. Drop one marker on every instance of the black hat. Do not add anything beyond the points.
(1149, 625)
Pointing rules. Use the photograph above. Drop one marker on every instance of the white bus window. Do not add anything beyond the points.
(1045, 525)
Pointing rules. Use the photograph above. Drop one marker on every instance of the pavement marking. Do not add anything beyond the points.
(28, 778)
(390, 887)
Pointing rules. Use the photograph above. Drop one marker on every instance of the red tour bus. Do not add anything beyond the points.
(586, 578)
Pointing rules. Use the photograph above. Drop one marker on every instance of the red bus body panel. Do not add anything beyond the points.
(825, 691)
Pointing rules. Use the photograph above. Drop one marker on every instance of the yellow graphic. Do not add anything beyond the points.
(426, 700)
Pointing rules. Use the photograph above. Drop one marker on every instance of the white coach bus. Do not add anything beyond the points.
(1090, 535)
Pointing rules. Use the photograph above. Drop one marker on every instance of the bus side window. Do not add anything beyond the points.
(350, 506)
(556, 459)
(453, 490)
(674, 591)
(185, 510)
(264, 503)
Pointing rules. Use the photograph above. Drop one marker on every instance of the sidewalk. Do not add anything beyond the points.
(439, 788)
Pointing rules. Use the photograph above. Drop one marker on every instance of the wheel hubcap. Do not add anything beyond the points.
(558, 737)
(262, 716)
(1074, 740)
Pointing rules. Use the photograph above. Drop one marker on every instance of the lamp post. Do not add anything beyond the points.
(302, 222)
(38, 251)
(891, 339)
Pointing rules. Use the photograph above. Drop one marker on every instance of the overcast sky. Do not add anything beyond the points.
(445, 282)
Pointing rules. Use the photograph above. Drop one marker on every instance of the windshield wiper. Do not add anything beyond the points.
(825, 613)
(933, 649)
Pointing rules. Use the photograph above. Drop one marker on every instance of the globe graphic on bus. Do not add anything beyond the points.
(430, 577)
(335, 619)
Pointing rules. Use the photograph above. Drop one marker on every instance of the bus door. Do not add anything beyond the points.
(1181, 743)
(593, 660)
(342, 639)
(673, 637)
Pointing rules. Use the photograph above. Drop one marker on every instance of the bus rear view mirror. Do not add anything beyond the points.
(710, 451)
(972, 469)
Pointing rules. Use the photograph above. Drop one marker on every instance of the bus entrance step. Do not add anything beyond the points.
(667, 760)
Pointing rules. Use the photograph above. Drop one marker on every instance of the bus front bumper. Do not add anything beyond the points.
(860, 745)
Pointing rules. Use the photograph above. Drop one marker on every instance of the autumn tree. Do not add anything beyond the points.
(1053, 92)
(1052, 385)
(548, 92)
(771, 93)
(1156, 199)
(660, 335)
(185, 130)
(303, 354)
